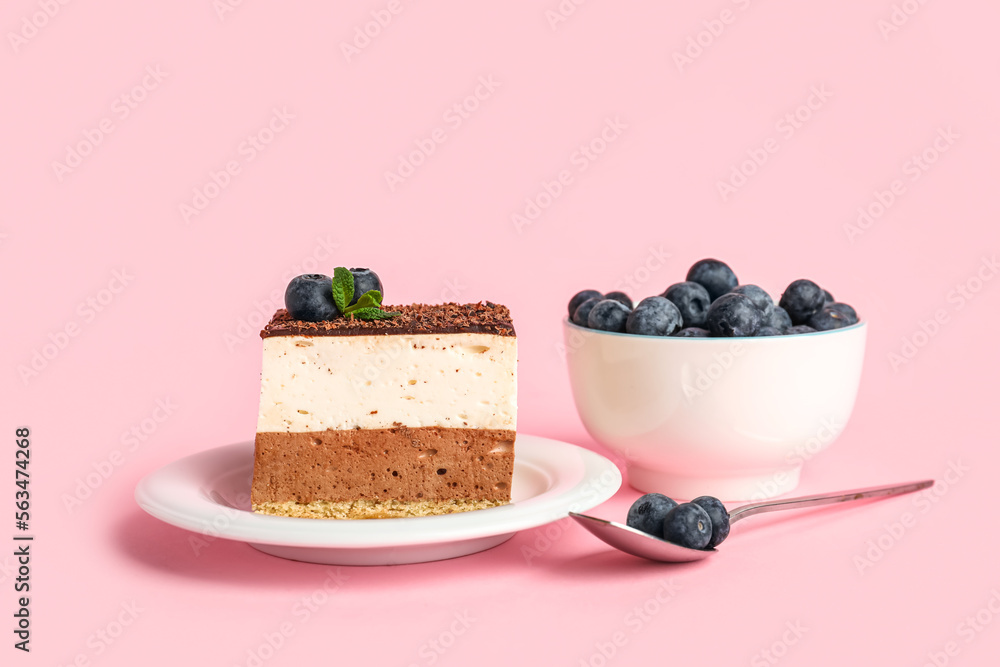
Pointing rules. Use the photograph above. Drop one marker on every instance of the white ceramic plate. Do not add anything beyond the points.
(209, 493)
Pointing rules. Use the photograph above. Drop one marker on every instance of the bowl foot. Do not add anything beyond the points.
(730, 488)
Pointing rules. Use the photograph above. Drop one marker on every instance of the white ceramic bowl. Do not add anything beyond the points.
(734, 418)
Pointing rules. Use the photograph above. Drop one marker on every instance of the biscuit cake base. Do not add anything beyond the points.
(373, 509)
(382, 473)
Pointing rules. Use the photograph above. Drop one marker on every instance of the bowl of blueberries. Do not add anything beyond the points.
(712, 387)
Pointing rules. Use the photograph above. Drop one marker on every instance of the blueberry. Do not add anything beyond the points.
(580, 297)
(718, 514)
(620, 297)
(714, 276)
(692, 300)
(608, 315)
(767, 331)
(827, 319)
(801, 299)
(365, 280)
(654, 316)
(583, 310)
(733, 315)
(692, 332)
(309, 297)
(688, 525)
(827, 297)
(844, 310)
(760, 298)
(647, 513)
(780, 319)
(799, 329)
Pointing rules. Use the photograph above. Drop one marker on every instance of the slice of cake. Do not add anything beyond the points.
(410, 414)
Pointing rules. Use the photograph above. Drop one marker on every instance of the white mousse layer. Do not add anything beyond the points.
(314, 383)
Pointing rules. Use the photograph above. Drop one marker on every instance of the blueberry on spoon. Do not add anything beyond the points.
(718, 514)
(647, 513)
(688, 525)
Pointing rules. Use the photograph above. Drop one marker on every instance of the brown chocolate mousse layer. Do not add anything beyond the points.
(401, 464)
(417, 318)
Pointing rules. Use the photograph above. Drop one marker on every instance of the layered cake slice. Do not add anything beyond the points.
(400, 415)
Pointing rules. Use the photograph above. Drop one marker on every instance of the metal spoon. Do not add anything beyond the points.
(648, 546)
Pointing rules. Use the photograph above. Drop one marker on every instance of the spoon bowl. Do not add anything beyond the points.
(644, 545)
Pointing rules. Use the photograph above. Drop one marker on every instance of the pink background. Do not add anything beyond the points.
(182, 329)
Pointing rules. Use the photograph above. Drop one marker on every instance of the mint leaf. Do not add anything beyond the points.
(366, 301)
(373, 313)
(369, 305)
(343, 288)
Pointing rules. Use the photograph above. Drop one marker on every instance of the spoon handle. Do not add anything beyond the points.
(744, 511)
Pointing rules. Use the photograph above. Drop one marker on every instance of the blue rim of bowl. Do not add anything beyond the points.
(813, 334)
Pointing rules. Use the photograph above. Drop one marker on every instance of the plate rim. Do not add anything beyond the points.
(567, 492)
